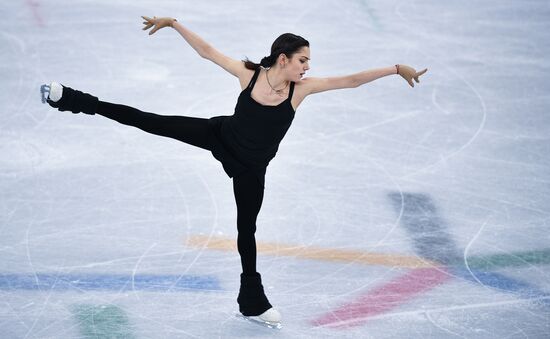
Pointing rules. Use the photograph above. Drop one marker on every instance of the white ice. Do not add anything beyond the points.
(470, 145)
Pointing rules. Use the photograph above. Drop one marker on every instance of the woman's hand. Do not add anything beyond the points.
(408, 73)
(158, 23)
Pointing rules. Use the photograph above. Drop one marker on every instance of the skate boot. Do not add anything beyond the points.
(253, 303)
(67, 99)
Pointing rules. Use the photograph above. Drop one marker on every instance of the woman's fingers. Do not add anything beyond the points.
(419, 74)
(157, 23)
(156, 28)
(408, 73)
(151, 23)
(148, 22)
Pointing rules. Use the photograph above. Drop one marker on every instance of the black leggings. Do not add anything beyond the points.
(248, 190)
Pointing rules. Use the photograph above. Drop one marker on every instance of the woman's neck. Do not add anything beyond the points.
(275, 78)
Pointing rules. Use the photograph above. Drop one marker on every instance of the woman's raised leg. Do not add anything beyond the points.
(193, 131)
(190, 130)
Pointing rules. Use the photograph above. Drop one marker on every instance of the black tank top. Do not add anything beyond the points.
(253, 133)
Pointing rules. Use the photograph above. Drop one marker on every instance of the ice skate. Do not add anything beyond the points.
(270, 318)
(253, 303)
(67, 99)
(52, 92)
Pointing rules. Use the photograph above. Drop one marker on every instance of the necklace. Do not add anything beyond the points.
(277, 91)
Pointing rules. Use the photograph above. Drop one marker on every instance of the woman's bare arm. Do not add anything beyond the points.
(317, 85)
(203, 48)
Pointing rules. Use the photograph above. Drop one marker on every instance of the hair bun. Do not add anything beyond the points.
(267, 61)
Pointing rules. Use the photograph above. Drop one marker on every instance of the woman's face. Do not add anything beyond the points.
(297, 65)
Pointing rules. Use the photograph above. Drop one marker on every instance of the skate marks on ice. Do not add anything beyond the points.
(419, 216)
(428, 232)
(260, 322)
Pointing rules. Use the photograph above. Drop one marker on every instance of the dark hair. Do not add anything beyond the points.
(287, 43)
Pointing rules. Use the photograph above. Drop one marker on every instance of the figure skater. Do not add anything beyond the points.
(244, 142)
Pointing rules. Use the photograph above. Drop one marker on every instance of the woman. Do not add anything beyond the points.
(246, 141)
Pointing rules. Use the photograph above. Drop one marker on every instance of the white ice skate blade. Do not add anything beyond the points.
(44, 92)
(258, 321)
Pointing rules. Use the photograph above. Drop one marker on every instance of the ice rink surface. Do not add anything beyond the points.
(389, 212)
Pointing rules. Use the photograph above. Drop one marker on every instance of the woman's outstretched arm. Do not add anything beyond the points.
(203, 48)
(317, 85)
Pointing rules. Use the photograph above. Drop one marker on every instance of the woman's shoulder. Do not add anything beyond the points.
(303, 86)
(245, 77)
(301, 90)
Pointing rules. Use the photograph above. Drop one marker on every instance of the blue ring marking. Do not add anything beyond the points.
(107, 282)
(503, 283)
